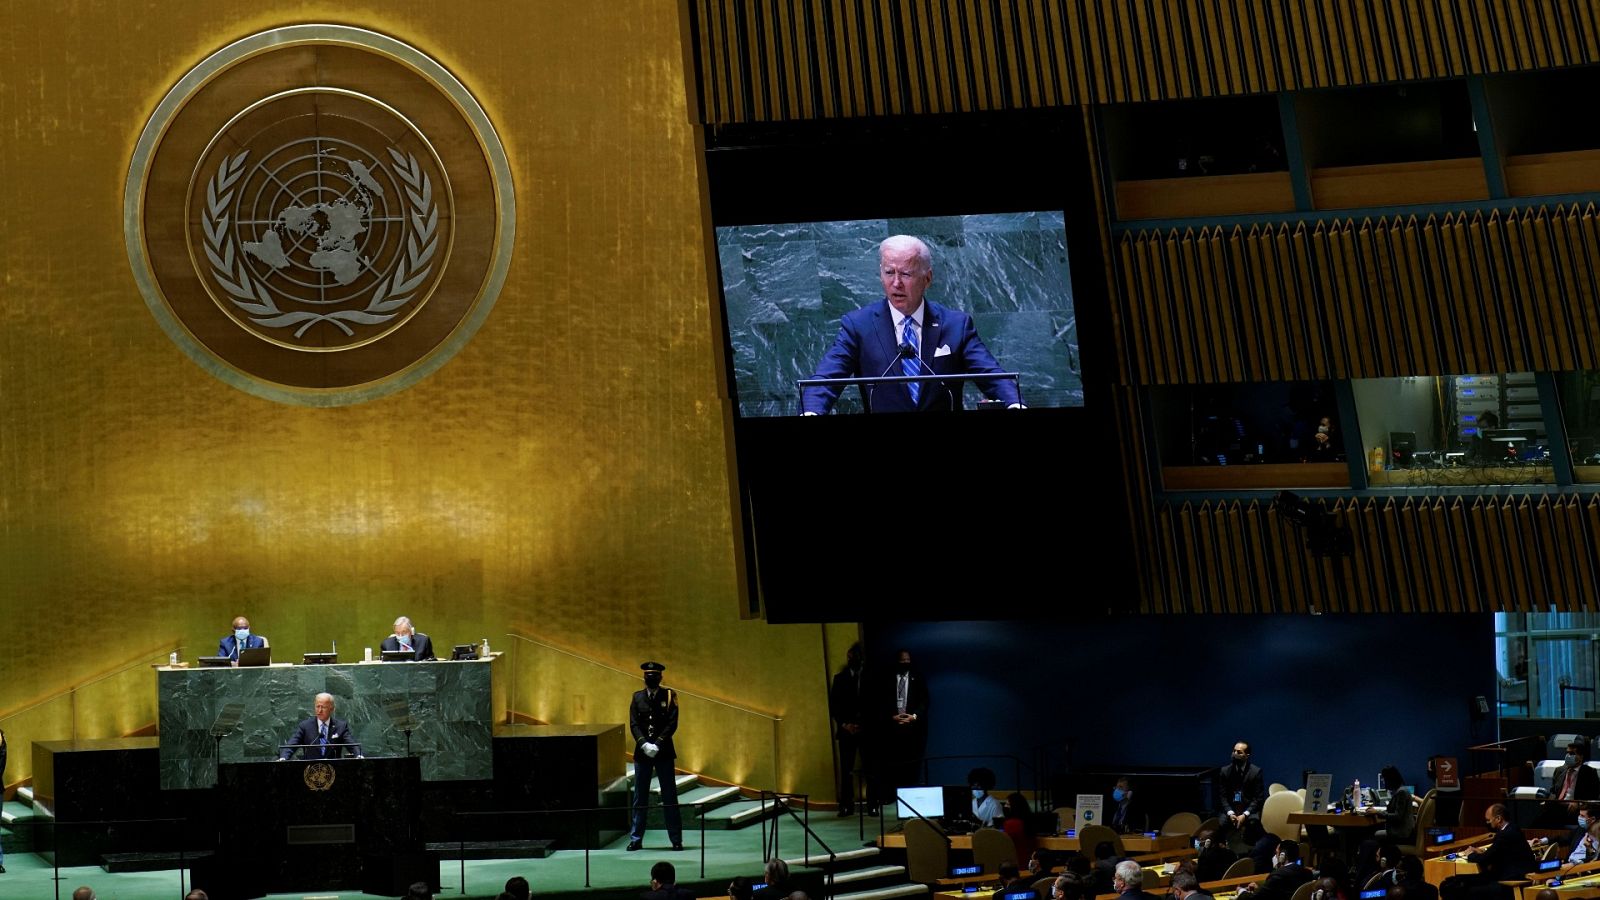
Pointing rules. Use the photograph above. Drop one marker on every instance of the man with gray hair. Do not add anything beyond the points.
(1129, 882)
(322, 736)
(1187, 887)
(407, 637)
(904, 334)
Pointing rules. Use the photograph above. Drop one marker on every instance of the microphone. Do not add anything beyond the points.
(905, 351)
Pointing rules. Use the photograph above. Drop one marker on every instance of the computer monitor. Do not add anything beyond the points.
(319, 659)
(399, 656)
(255, 656)
(925, 801)
(464, 651)
(1402, 444)
(214, 662)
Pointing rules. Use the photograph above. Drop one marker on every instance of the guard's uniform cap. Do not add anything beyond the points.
(652, 667)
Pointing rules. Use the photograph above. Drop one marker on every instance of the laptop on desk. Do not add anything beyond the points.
(255, 656)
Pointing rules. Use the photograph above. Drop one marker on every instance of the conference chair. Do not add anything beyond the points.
(1090, 836)
(991, 847)
(927, 853)
(1425, 816)
(1243, 867)
(1303, 892)
(1185, 823)
(1043, 885)
(1066, 818)
(1275, 815)
(1277, 787)
(1211, 824)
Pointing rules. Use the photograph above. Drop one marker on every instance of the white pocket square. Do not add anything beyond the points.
(944, 350)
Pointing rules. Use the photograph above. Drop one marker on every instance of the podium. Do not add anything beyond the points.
(307, 825)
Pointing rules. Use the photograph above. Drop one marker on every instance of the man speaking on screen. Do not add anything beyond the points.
(905, 334)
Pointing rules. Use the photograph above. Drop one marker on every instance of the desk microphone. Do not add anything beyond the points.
(905, 351)
(928, 370)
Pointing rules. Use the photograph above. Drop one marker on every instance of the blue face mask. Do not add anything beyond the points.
(1583, 821)
(1117, 794)
(241, 633)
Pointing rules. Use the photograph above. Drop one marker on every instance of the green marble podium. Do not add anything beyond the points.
(450, 703)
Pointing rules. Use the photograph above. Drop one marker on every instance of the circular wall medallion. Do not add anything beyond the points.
(319, 214)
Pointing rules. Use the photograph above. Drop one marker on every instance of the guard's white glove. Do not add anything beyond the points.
(650, 749)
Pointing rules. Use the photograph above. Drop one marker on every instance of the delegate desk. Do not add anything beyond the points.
(1141, 848)
(450, 706)
(1580, 881)
(1438, 865)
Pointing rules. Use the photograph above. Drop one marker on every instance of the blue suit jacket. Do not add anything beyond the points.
(867, 344)
(225, 647)
(339, 738)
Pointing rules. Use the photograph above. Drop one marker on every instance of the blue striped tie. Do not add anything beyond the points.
(909, 366)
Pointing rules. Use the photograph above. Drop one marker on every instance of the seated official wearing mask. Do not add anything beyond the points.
(240, 639)
(407, 637)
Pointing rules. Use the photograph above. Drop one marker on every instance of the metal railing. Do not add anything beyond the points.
(58, 716)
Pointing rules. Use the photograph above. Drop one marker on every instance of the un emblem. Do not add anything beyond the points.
(319, 776)
(319, 214)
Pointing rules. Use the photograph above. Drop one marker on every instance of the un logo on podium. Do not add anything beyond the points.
(319, 776)
(319, 214)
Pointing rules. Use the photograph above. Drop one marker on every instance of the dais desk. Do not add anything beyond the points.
(451, 704)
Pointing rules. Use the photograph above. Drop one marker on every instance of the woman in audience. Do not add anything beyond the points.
(1018, 826)
(1400, 819)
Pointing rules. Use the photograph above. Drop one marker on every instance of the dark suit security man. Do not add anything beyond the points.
(846, 703)
(1242, 789)
(653, 719)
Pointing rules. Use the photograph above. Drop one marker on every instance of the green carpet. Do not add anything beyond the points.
(612, 872)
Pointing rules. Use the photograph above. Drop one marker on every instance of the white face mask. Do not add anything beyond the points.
(1277, 860)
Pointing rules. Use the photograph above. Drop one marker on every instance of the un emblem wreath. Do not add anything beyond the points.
(326, 242)
(255, 298)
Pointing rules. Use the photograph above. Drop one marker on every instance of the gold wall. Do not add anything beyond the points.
(565, 475)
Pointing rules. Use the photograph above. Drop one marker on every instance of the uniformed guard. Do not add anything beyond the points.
(654, 719)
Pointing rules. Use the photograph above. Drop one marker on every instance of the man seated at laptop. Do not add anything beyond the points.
(407, 637)
(240, 639)
(322, 736)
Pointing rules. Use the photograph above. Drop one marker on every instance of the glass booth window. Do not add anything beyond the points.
(1580, 410)
(1453, 429)
(1259, 435)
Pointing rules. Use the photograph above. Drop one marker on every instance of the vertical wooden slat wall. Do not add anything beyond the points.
(776, 60)
(1489, 291)
(1455, 293)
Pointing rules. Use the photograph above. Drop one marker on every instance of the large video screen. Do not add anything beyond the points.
(786, 288)
(912, 511)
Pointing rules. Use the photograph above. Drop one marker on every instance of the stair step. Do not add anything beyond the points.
(685, 782)
(490, 849)
(886, 893)
(25, 794)
(739, 814)
(868, 874)
(713, 797)
(818, 860)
